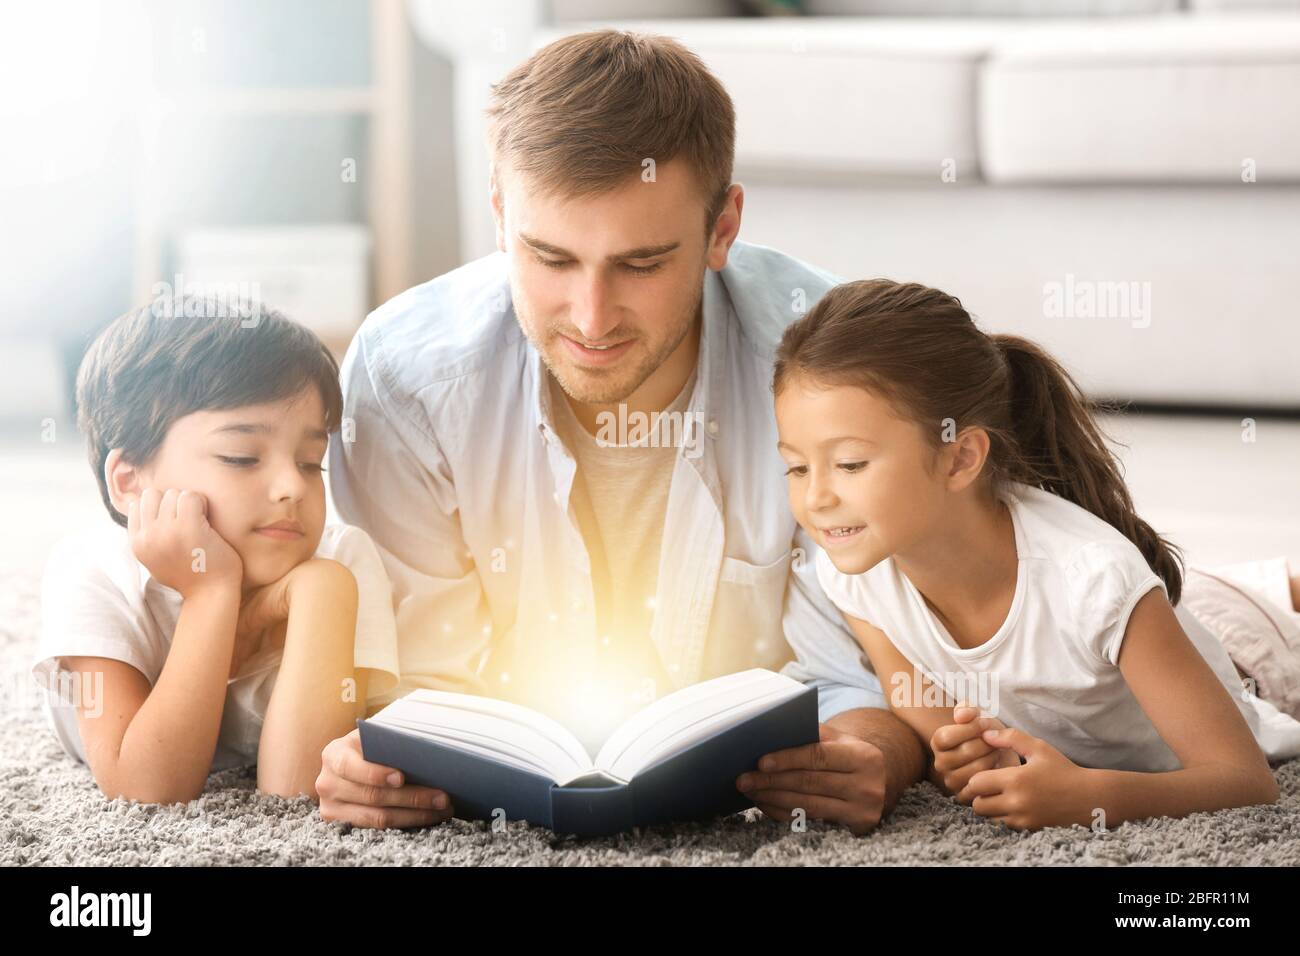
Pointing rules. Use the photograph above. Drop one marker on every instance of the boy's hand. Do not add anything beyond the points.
(960, 750)
(269, 605)
(170, 535)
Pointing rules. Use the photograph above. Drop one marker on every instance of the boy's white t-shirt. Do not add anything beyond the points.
(98, 600)
(1056, 655)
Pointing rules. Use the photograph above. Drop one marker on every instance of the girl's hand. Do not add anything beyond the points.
(960, 750)
(1049, 790)
(170, 535)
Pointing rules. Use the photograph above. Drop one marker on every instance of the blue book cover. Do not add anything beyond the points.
(677, 759)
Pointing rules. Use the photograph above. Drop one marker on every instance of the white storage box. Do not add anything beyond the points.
(317, 275)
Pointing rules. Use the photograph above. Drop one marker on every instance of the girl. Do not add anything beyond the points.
(978, 536)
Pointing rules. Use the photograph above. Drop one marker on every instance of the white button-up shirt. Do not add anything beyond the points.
(448, 456)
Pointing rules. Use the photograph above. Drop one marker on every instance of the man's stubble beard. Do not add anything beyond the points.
(597, 389)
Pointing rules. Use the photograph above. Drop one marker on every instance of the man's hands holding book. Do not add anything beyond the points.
(840, 779)
(353, 790)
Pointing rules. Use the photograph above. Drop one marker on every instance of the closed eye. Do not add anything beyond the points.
(642, 270)
(558, 264)
(248, 462)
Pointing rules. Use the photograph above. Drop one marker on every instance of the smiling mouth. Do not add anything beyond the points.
(844, 531)
(596, 353)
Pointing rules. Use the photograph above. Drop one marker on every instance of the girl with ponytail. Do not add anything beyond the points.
(977, 535)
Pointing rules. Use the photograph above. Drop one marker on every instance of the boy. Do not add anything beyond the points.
(218, 622)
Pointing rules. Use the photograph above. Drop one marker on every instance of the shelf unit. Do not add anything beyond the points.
(383, 105)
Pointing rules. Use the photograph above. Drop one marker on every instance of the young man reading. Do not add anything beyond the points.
(545, 544)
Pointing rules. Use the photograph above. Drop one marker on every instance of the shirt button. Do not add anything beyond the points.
(713, 426)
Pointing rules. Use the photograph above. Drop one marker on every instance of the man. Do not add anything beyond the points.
(544, 544)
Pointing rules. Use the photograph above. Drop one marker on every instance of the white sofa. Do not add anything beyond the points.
(1021, 162)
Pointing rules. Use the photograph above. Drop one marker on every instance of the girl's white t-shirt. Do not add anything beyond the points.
(1052, 669)
(98, 600)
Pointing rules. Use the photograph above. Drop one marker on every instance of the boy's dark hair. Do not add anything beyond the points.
(155, 365)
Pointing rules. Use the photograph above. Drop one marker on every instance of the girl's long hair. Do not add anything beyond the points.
(919, 349)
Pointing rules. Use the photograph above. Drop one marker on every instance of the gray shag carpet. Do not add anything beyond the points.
(51, 813)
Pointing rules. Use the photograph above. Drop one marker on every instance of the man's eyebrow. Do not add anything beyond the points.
(257, 428)
(641, 252)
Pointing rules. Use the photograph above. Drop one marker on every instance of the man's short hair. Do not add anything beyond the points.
(583, 113)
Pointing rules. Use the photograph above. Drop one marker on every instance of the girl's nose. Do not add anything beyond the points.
(820, 493)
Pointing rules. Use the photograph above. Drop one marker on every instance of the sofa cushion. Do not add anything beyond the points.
(991, 8)
(1187, 98)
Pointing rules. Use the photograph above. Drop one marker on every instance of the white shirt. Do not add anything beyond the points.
(1052, 669)
(620, 499)
(450, 459)
(98, 600)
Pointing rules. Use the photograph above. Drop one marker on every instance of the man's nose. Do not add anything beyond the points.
(593, 314)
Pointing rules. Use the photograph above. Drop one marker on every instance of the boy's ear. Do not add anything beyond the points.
(969, 452)
(123, 480)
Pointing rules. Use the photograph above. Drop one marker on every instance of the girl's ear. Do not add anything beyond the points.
(123, 480)
(970, 450)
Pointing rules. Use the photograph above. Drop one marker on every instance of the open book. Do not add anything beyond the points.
(676, 759)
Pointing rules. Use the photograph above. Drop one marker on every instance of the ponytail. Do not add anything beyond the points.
(1058, 447)
(919, 347)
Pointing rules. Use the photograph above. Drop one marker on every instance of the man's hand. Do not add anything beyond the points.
(841, 779)
(170, 535)
(365, 794)
(960, 751)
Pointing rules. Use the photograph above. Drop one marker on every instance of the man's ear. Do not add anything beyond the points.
(123, 480)
(498, 203)
(966, 457)
(726, 227)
